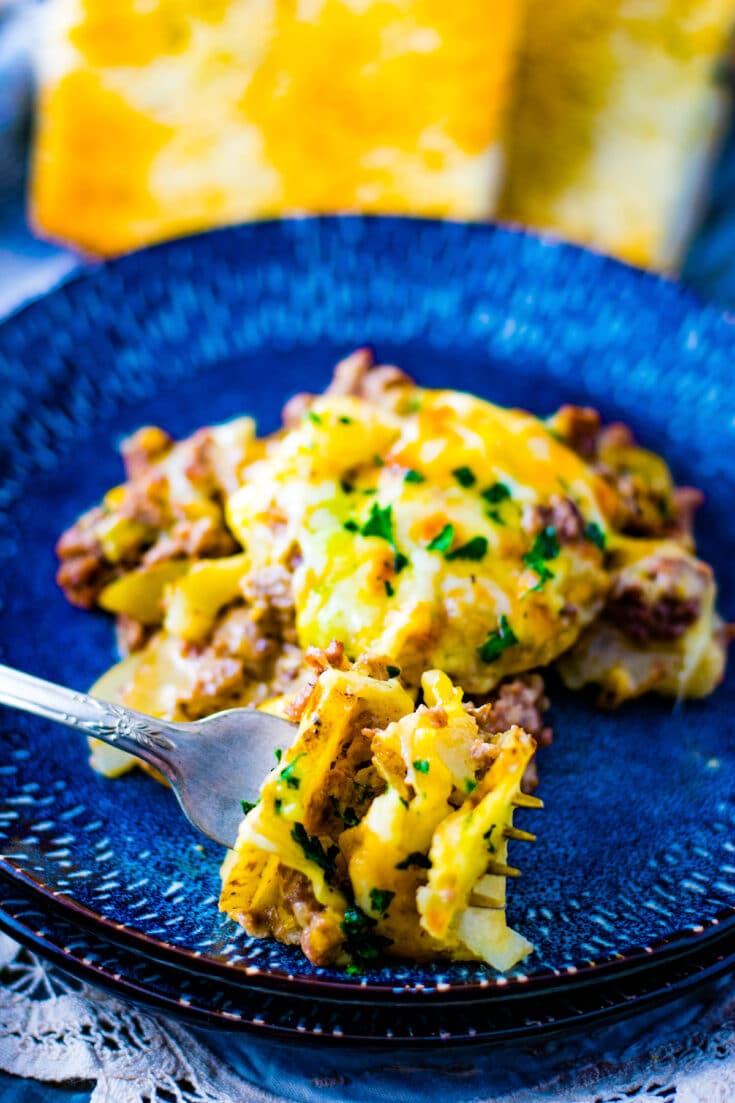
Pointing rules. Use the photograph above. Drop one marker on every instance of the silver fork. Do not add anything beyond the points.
(212, 765)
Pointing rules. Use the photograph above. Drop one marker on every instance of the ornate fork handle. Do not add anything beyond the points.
(149, 739)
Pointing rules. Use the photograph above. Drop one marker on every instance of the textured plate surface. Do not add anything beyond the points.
(528, 1019)
(635, 845)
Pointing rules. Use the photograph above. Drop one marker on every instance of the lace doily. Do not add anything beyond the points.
(59, 1030)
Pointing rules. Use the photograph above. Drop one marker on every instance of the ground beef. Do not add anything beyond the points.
(579, 427)
(659, 598)
(357, 376)
(561, 514)
(143, 448)
(520, 700)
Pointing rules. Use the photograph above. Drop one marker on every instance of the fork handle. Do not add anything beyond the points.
(124, 728)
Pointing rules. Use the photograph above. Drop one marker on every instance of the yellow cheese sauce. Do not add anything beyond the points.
(411, 535)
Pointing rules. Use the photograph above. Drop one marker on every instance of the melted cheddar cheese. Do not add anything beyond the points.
(412, 536)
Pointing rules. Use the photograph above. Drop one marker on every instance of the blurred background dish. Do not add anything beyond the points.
(593, 119)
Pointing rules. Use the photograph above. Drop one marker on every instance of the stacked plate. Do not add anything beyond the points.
(629, 893)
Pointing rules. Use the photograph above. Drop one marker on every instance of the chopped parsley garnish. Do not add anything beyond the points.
(315, 852)
(465, 476)
(314, 418)
(421, 765)
(380, 523)
(545, 546)
(248, 805)
(288, 775)
(389, 588)
(400, 562)
(343, 420)
(413, 476)
(443, 541)
(498, 641)
(595, 535)
(351, 526)
(498, 492)
(380, 900)
(361, 941)
(393, 671)
(403, 801)
(277, 804)
(469, 785)
(488, 838)
(378, 461)
(348, 815)
(278, 754)
(475, 548)
(415, 858)
(347, 488)
(494, 515)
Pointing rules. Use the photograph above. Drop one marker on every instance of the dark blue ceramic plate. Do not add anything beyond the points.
(636, 850)
(529, 1019)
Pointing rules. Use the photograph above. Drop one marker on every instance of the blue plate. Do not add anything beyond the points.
(636, 852)
(529, 1019)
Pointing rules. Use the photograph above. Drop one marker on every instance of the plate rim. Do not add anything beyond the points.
(120, 985)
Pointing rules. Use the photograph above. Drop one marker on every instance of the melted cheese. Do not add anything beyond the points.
(333, 495)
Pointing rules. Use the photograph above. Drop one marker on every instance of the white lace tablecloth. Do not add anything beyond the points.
(57, 1030)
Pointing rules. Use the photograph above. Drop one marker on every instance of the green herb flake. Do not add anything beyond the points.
(546, 546)
(400, 562)
(595, 534)
(498, 641)
(343, 420)
(247, 806)
(278, 754)
(361, 941)
(415, 858)
(389, 590)
(380, 900)
(288, 775)
(421, 765)
(393, 671)
(403, 801)
(353, 970)
(314, 418)
(378, 461)
(277, 805)
(465, 476)
(443, 541)
(315, 852)
(494, 515)
(498, 492)
(413, 476)
(488, 839)
(380, 523)
(476, 548)
(351, 526)
(469, 785)
(348, 815)
(347, 488)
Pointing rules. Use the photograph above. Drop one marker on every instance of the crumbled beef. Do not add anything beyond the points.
(561, 514)
(239, 636)
(131, 634)
(579, 427)
(357, 376)
(520, 700)
(269, 592)
(659, 598)
(143, 448)
(219, 683)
